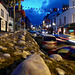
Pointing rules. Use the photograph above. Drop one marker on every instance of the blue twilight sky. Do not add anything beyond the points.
(37, 9)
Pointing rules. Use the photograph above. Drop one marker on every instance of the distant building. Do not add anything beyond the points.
(50, 21)
(66, 20)
(28, 23)
(53, 25)
(65, 7)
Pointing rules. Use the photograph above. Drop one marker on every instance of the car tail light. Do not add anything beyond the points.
(64, 38)
(50, 52)
(44, 42)
(55, 43)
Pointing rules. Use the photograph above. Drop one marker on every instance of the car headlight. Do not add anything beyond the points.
(46, 32)
(43, 32)
(72, 41)
(70, 37)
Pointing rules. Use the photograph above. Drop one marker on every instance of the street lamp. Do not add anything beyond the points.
(14, 13)
(49, 25)
(31, 26)
(54, 24)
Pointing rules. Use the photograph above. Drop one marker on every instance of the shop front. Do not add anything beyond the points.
(60, 30)
(69, 29)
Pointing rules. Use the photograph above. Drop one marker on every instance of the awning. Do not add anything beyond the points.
(67, 25)
(60, 26)
(72, 26)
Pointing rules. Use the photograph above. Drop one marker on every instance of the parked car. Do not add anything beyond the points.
(67, 53)
(60, 39)
(44, 31)
(46, 41)
(34, 33)
(65, 39)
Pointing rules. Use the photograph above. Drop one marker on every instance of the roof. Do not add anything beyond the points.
(53, 14)
(47, 35)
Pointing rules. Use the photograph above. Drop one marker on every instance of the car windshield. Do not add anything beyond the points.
(49, 39)
(63, 51)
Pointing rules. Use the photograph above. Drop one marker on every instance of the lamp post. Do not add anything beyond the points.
(14, 15)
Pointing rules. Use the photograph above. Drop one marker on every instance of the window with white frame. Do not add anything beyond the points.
(65, 20)
(59, 21)
(2, 13)
(73, 18)
(73, 3)
(7, 17)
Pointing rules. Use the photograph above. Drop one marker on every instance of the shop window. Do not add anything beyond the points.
(2, 13)
(71, 31)
(59, 29)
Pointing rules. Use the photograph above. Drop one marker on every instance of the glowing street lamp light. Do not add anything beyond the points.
(31, 26)
(54, 24)
(49, 25)
(43, 22)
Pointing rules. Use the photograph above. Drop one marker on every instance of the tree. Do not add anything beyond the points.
(12, 3)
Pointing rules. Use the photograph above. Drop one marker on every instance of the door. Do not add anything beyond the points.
(6, 26)
(0, 24)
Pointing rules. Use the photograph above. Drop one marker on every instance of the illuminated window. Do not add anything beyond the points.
(71, 31)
